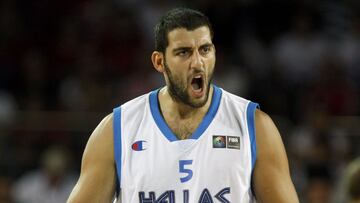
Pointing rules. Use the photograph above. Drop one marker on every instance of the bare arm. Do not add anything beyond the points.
(272, 181)
(97, 177)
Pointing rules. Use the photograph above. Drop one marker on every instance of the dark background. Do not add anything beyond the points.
(65, 64)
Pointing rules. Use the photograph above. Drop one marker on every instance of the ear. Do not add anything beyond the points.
(157, 59)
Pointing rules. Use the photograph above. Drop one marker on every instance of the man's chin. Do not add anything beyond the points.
(198, 103)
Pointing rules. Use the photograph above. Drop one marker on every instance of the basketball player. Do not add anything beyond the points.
(187, 142)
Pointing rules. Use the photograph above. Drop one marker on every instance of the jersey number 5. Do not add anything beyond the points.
(182, 169)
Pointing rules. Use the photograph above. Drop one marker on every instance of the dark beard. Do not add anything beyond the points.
(178, 92)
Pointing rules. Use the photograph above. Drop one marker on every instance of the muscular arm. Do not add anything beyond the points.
(272, 181)
(97, 177)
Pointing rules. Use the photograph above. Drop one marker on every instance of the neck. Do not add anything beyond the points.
(179, 109)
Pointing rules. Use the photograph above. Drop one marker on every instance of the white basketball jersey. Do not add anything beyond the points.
(213, 166)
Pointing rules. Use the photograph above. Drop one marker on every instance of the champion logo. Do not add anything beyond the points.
(138, 145)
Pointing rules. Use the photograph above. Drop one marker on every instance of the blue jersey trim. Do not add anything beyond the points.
(117, 145)
(250, 115)
(214, 106)
(165, 129)
(160, 122)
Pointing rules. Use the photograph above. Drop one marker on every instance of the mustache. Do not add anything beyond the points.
(197, 71)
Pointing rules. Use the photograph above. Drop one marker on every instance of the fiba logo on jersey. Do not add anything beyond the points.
(222, 141)
(233, 142)
(219, 141)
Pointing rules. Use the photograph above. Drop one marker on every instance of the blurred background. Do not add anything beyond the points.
(65, 64)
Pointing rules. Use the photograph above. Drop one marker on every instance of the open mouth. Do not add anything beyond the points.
(197, 83)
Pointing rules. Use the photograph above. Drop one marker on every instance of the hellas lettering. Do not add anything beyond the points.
(169, 197)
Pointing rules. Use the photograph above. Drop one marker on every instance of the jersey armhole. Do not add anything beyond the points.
(117, 146)
(250, 117)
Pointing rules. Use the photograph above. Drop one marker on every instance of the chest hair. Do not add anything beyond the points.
(183, 129)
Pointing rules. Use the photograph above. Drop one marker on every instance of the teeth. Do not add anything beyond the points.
(199, 76)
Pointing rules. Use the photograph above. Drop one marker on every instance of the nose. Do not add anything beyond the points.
(196, 60)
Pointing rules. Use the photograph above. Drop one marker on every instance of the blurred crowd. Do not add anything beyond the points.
(65, 64)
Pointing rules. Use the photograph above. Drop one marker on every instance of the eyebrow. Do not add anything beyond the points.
(207, 45)
(190, 48)
(181, 49)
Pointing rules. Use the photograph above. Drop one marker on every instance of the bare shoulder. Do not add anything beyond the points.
(266, 130)
(271, 178)
(263, 120)
(269, 144)
(105, 126)
(104, 131)
(100, 145)
(97, 177)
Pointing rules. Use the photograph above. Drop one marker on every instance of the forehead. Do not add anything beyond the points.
(182, 37)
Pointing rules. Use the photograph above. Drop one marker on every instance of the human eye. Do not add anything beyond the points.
(183, 52)
(206, 49)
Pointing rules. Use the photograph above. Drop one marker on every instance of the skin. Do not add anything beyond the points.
(272, 181)
(97, 178)
(188, 53)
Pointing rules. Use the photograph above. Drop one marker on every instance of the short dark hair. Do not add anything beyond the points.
(178, 18)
